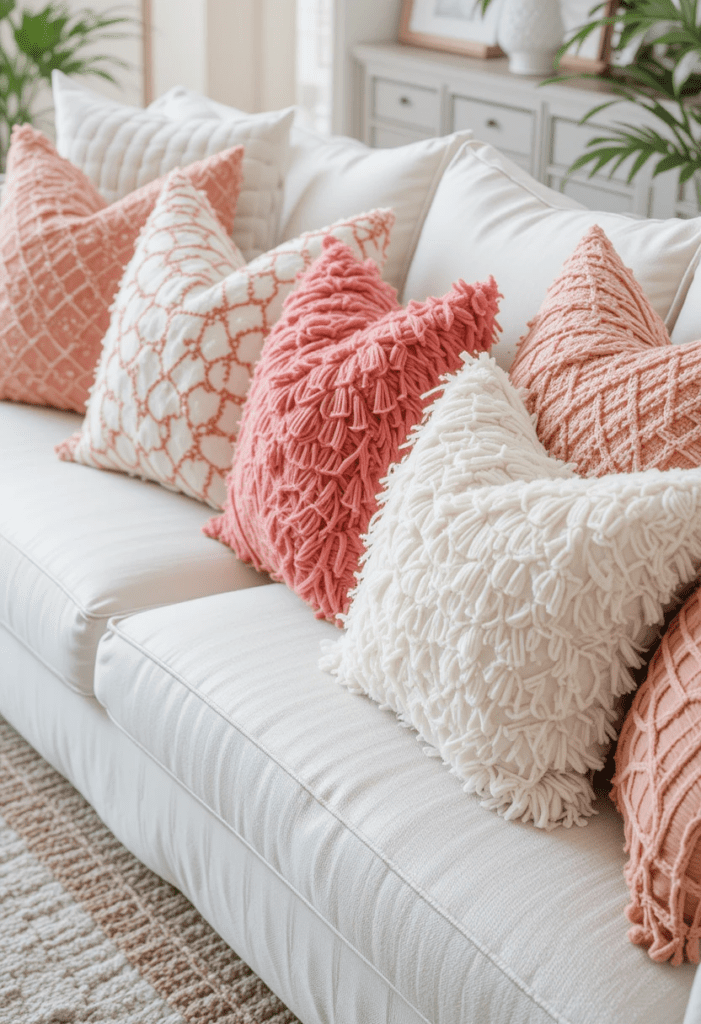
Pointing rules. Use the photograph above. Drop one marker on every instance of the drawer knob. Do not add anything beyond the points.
(405, 101)
(493, 123)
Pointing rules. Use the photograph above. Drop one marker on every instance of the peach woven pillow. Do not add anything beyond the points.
(341, 382)
(657, 789)
(63, 251)
(187, 327)
(608, 389)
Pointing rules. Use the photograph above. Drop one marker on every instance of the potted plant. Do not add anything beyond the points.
(35, 42)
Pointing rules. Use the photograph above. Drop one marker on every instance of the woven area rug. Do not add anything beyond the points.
(87, 933)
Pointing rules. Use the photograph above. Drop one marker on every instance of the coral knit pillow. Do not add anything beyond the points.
(608, 389)
(341, 382)
(657, 788)
(62, 253)
(188, 325)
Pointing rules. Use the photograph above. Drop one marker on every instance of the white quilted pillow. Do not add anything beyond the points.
(503, 598)
(121, 148)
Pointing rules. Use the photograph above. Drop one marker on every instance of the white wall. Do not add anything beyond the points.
(357, 21)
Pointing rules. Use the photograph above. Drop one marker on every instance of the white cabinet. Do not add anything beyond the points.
(406, 93)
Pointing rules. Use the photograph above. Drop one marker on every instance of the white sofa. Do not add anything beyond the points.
(180, 692)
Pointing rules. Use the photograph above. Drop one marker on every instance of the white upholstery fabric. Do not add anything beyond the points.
(330, 178)
(464, 917)
(490, 217)
(121, 148)
(317, 974)
(78, 545)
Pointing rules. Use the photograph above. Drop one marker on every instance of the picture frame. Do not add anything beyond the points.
(595, 55)
(456, 26)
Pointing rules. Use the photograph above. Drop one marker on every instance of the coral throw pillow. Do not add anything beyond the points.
(187, 328)
(657, 788)
(62, 253)
(609, 390)
(503, 599)
(340, 384)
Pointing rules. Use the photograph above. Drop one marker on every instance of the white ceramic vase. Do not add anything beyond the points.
(531, 32)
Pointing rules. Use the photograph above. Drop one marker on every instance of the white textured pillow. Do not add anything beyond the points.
(330, 178)
(490, 217)
(121, 148)
(503, 598)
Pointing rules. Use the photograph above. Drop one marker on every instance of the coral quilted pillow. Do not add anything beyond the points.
(503, 598)
(340, 384)
(657, 788)
(609, 390)
(62, 253)
(187, 327)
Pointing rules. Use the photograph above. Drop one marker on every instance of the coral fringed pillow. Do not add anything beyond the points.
(609, 390)
(340, 384)
(187, 328)
(503, 598)
(657, 789)
(62, 254)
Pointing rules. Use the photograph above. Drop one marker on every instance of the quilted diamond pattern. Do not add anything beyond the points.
(609, 390)
(62, 254)
(187, 327)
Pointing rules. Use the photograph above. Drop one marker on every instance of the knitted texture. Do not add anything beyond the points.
(187, 327)
(339, 386)
(504, 599)
(657, 789)
(608, 389)
(62, 254)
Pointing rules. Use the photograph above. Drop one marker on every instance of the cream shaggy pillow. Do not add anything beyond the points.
(503, 599)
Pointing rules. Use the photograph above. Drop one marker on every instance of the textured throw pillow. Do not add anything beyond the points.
(187, 327)
(657, 788)
(63, 252)
(503, 598)
(340, 384)
(490, 216)
(608, 389)
(121, 148)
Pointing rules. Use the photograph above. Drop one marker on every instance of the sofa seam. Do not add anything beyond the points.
(358, 833)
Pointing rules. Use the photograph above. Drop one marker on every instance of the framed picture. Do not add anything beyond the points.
(595, 54)
(453, 25)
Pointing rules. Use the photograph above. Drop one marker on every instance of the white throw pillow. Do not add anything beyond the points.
(503, 598)
(490, 217)
(335, 177)
(121, 148)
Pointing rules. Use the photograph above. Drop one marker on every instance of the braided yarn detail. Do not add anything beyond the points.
(340, 384)
(608, 389)
(63, 252)
(657, 789)
(503, 599)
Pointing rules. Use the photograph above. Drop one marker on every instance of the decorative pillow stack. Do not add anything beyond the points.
(187, 328)
(657, 789)
(342, 380)
(503, 599)
(63, 254)
(608, 389)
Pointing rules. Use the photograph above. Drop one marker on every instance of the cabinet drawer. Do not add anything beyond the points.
(504, 127)
(387, 138)
(568, 141)
(408, 104)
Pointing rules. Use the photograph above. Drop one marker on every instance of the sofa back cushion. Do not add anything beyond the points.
(490, 217)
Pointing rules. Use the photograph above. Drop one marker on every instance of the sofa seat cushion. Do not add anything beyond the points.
(466, 916)
(77, 546)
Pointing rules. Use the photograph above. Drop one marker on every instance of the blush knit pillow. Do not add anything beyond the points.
(657, 788)
(63, 251)
(340, 384)
(609, 390)
(503, 598)
(187, 328)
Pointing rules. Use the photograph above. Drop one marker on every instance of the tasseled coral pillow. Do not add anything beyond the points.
(657, 788)
(62, 254)
(341, 382)
(609, 390)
